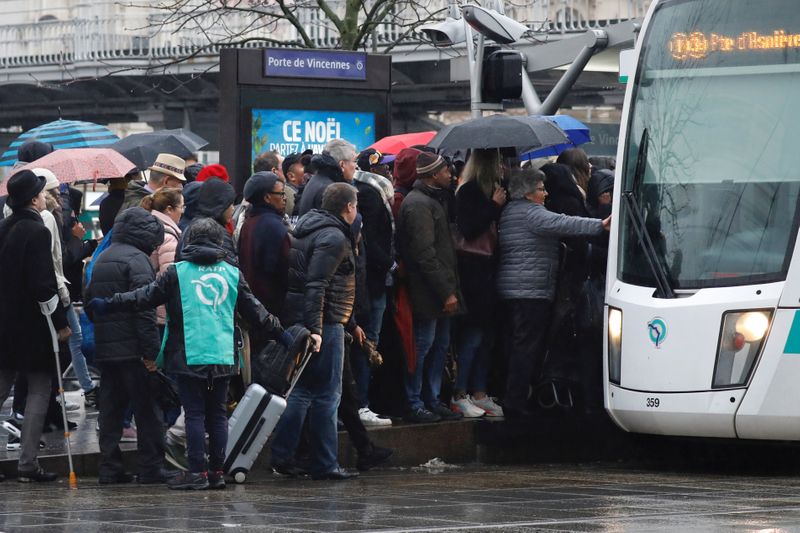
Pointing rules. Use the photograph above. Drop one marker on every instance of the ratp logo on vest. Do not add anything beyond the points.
(211, 289)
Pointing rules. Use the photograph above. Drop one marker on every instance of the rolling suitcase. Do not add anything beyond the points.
(254, 419)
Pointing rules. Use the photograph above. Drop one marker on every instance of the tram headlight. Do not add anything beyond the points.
(752, 325)
(740, 342)
(614, 345)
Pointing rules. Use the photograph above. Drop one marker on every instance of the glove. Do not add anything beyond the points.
(98, 306)
(286, 339)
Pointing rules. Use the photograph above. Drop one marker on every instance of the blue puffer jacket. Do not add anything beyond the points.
(528, 247)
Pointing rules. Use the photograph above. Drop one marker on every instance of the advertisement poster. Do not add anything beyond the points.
(293, 130)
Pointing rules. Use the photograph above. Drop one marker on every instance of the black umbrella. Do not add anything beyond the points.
(143, 148)
(500, 131)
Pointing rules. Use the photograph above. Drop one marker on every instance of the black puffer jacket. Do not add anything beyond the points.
(213, 198)
(327, 171)
(125, 266)
(166, 290)
(322, 283)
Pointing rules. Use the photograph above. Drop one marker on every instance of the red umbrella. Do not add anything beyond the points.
(395, 143)
(79, 164)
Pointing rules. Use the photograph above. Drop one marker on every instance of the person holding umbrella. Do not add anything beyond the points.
(27, 278)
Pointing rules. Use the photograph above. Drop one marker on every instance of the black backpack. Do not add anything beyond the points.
(275, 368)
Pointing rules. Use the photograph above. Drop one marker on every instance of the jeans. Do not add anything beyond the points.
(432, 338)
(317, 395)
(38, 397)
(359, 361)
(124, 383)
(205, 412)
(78, 359)
(528, 322)
(473, 347)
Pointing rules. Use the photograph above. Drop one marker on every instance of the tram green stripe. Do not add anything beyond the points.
(793, 342)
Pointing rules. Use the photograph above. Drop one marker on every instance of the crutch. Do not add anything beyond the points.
(47, 308)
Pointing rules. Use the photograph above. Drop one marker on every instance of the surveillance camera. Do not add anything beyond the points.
(446, 33)
(493, 25)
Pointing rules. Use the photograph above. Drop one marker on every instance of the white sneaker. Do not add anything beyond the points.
(69, 405)
(466, 408)
(488, 405)
(368, 418)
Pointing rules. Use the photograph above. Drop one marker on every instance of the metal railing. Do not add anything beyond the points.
(141, 40)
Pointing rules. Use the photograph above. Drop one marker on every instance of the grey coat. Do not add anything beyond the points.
(529, 244)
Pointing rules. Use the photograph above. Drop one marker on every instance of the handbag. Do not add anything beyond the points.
(164, 391)
(483, 245)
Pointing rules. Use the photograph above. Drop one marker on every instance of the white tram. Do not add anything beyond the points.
(703, 291)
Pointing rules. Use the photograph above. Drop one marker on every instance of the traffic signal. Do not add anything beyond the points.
(502, 76)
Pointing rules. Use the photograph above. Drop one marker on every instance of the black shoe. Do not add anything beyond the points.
(35, 475)
(375, 456)
(337, 474)
(290, 469)
(444, 412)
(216, 480)
(115, 479)
(90, 398)
(58, 425)
(14, 444)
(421, 416)
(189, 481)
(162, 476)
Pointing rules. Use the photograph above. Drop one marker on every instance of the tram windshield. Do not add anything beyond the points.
(717, 93)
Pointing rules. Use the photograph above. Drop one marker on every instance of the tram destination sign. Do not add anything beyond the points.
(315, 64)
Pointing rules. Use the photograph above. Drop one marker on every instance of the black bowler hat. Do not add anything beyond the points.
(23, 187)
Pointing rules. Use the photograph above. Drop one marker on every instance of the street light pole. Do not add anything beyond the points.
(475, 58)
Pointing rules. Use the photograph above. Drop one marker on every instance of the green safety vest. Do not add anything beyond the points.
(208, 300)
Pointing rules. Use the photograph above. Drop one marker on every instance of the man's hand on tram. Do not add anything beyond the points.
(607, 223)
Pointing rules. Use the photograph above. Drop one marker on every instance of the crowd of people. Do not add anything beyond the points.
(432, 289)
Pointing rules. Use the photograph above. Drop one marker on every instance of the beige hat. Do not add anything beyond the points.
(51, 182)
(171, 165)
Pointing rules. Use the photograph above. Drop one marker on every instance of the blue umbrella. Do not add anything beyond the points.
(577, 131)
(62, 134)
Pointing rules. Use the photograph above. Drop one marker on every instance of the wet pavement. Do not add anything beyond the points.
(582, 497)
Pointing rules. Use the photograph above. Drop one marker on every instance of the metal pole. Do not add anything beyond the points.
(474, 72)
(562, 88)
(529, 96)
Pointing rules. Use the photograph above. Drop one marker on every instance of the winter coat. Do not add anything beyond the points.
(75, 251)
(134, 194)
(27, 277)
(109, 208)
(213, 198)
(264, 245)
(166, 290)
(322, 284)
(378, 234)
(426, 248)
(474, 215)
(190, 193)
(564, 196)
(327, 171)
(528, 247)
(125, 266)
(56, 255)
(164, 255)
(405, 174)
